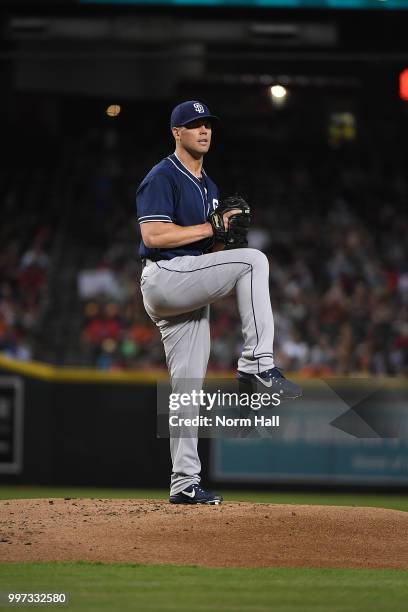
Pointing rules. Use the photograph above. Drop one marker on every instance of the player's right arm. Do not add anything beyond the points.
(162, 235)
(155, 201)
(159, 235)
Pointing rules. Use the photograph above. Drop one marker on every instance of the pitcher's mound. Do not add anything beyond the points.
(229, 535)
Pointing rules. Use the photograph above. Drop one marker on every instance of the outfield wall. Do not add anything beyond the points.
(67, 426)
(79, 429)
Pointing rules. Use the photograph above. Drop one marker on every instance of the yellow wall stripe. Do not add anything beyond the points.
(43, 371)
(36, 369)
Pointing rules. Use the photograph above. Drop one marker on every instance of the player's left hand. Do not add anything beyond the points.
(230, 222)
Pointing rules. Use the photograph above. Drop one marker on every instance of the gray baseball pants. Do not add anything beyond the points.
(177, 294)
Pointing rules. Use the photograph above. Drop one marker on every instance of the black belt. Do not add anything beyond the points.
(144, 262)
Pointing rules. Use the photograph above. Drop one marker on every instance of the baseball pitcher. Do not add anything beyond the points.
(194, 252)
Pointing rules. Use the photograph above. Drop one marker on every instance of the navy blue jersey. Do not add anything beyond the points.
(171, 194)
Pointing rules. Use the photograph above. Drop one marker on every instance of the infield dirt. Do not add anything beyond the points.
(235, 534)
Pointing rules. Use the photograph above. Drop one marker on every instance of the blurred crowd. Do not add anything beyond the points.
(346, 311)
(30, 203)
(332, 223)
(23, 274)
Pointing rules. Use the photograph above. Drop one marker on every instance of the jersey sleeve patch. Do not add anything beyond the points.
(155, 200)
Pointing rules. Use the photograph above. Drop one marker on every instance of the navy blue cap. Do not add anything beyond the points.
(190, 111)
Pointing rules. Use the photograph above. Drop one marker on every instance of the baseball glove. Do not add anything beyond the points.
(235, 237)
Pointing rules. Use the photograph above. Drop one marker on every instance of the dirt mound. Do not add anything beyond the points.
(231, 535)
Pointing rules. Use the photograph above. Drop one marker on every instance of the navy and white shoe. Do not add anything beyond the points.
(194, 494)
(271, 381)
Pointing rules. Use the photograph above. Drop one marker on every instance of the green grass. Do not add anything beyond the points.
(125, 587)
(396, 502)
(94, 587)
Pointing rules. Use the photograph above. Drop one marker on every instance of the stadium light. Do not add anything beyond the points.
(279, 95)
(278, 92)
